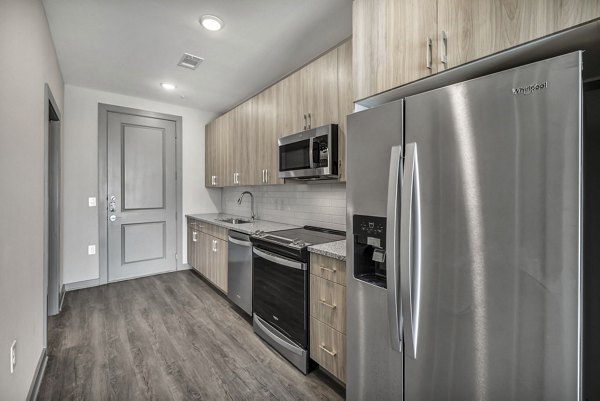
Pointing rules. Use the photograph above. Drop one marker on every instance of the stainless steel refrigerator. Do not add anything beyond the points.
(464, 214)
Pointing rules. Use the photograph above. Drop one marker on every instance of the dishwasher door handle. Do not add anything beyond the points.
(240, 242)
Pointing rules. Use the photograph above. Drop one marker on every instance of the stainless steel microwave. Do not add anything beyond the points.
(310, 155)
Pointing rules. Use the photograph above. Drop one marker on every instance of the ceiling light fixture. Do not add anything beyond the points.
(211, 22)
(167, 86)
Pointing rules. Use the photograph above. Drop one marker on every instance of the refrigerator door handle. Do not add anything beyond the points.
(410, 250)
(392, 242)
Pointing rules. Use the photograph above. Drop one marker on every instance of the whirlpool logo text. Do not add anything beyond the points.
(529, 89)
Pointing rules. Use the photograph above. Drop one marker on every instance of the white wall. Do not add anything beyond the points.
(321, 205)
(28, 63)
(81, 172)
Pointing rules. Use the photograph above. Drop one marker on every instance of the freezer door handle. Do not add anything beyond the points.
(410, 250)
(392, 242)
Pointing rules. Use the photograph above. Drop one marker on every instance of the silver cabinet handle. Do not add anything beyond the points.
(194, 236)
(332, 306)
(444, 50)
(266, 176)
(333, 271)
(429, 54)
(410, 250)
(305, 125)
(215, 249)
(309, 121)
(332, 353)
(392, 261)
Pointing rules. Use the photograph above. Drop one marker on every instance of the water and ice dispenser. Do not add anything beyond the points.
(369, 249)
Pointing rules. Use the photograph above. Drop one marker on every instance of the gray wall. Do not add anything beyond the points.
(28, 62)
(80, 222)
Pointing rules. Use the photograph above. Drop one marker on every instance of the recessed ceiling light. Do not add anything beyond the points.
(211, 22)
(167, 86)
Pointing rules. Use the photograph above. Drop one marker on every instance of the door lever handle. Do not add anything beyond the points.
(113, 218)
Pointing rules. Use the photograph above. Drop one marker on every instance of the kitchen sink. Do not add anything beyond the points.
(232, 220)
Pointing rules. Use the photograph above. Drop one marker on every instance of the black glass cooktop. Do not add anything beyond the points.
(302, 237)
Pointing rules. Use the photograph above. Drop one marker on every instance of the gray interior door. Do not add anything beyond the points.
(141, 196)
(490, 292)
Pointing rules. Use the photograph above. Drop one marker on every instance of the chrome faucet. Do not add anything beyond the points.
(239, 201)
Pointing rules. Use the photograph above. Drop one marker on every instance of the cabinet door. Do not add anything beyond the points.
(269, 130)
(292, 106)
(191, 246)
(568, 13)
(319, 88)
(345, 103)
(477, 28)
(201, 253)
(210, 149)
(219, 264)
(245, 143)
(390, 43)
(225, 156)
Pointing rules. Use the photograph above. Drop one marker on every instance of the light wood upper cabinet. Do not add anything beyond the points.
(390, 41)
(269, 130)
(390, 37)
(244, 143)
(319, 88)
(241, 145)
(345, 101)
(210, 145)
(478, 28)
(292, 104)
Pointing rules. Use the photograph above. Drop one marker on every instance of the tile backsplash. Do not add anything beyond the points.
(321, 205)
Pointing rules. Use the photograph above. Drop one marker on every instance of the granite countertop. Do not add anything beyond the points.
(247, 228)
(336, 250)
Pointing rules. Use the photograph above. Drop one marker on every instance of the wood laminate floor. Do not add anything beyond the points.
(165, 337)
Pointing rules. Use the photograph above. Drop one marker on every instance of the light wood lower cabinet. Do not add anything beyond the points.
(328, 348)
(328, 314)
(207, 252)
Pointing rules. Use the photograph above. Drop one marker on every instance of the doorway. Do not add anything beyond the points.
(52, 207)
(139, 193)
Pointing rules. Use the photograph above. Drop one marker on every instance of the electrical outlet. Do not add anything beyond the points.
(13, 356)
(91, 202)
(91, 249)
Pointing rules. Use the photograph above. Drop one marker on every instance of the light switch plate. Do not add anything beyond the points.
(91, 249)
(92, 201)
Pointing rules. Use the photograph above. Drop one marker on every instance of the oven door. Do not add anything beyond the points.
(280, 290)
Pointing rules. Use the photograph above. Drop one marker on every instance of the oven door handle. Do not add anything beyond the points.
(290, 347)
(279, 260)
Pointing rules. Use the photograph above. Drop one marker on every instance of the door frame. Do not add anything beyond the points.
(51, 109)
(103, 110)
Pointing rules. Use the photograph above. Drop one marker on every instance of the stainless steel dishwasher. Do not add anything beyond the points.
(239, 275)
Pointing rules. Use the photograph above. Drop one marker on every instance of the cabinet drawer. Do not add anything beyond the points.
(328, 348)
(328, 268)
(214, 230)
(208, 228)
(328, 302)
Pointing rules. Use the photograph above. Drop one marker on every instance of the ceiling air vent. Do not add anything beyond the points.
(190, 61)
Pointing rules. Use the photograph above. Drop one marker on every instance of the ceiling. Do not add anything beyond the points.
(131, 46)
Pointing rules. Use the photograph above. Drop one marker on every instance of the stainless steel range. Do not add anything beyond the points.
(280, 262)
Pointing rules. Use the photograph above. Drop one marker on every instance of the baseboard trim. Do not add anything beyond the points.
(78, 285)
(62, 298)
(37, 378)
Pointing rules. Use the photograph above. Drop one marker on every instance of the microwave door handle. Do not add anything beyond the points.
(392, 244)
